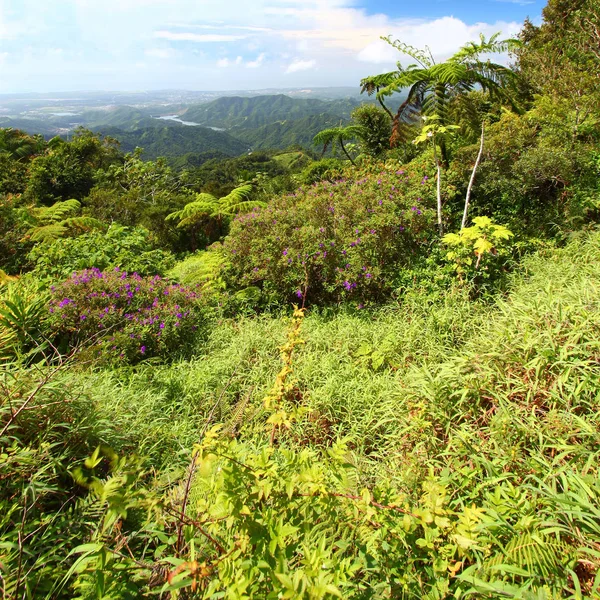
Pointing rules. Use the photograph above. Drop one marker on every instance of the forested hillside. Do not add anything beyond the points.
(361, 362)
(254, 112)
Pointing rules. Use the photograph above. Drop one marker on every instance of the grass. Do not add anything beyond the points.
(496, 401)
(402, 382)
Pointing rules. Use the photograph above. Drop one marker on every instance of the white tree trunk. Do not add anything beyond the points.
(472, 180)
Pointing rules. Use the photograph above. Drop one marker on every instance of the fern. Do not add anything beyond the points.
(431, 86)
(49, 223)
(202, 268)
(207, 207)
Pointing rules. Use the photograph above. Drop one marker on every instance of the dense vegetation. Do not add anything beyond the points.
(371, 375)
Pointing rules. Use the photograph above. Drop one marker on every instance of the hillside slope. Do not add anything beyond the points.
(175, 141)
(236, 111)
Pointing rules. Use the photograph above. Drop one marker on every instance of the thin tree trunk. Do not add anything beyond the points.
(346, 153)
(472, 180)
(387, 110)
(439, 187)
(439, 197)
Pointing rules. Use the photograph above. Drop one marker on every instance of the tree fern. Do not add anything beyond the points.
(338, 135)
(49, 223)
(431, 86)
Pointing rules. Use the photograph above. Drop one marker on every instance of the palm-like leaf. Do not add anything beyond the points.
(49, 223)
(193, 212)
(431, 86)
(206, 206)
(340, 135)
(237, 201)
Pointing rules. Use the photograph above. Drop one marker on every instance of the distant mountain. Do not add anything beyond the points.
(237, 112)
(31, 126)
(283, 134)
(123, 117)
(174, 141)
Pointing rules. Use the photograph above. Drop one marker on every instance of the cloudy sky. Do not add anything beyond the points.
(66, 45)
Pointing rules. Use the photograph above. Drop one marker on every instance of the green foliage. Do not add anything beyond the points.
(326, 169)
(332, 241)
(376, 129)
(114, 316)
(118, 246)
(338, 135)
(23, 317)
(202, 269)
(66, 170)
(48, 223)
(432, 86)
(532, 177)
(479, 252)
(209, 215)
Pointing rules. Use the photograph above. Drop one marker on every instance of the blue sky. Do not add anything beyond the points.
(68, 45)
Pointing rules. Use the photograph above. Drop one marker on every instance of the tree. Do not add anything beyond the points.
(375, 135)
(208, 212)
(67, 169)
(431, 86)
(339, 135)
(437, 134)
(561, 57)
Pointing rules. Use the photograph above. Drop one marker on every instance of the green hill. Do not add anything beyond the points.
(286, 133)
(174, 141)
(230, 112)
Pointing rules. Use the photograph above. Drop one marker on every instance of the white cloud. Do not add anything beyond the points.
(254, 64)
(300, 65)
(443, 36)
(317, 42)
(187, 36)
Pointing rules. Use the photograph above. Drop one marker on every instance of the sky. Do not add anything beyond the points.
(135, 45)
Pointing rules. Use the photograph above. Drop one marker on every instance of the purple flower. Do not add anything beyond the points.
(368, 275)
(285, 252)
(299, 293)
(143, 349)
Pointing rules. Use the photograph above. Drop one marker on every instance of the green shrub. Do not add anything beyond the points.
(23, 318)
(334, 241)
(118, 247)
(117, 316)
(326, 169)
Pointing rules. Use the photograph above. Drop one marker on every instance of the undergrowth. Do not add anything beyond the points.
(437, 447)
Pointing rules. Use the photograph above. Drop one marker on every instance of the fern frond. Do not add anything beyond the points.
(47, 233)
(423, 57)
(540, 556)
(57, 212)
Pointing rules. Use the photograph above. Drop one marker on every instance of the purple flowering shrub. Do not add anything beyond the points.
(119, 316)
(334, 240)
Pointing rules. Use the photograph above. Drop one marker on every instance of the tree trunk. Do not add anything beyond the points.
(439, 197)
(387, 110)
(346, 153)
(472, 180)
(438, 187)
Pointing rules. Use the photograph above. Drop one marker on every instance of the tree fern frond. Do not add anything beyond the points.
(423, 57)
(57, 212)
(47, 233)
(540, 555)
(83, 223)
